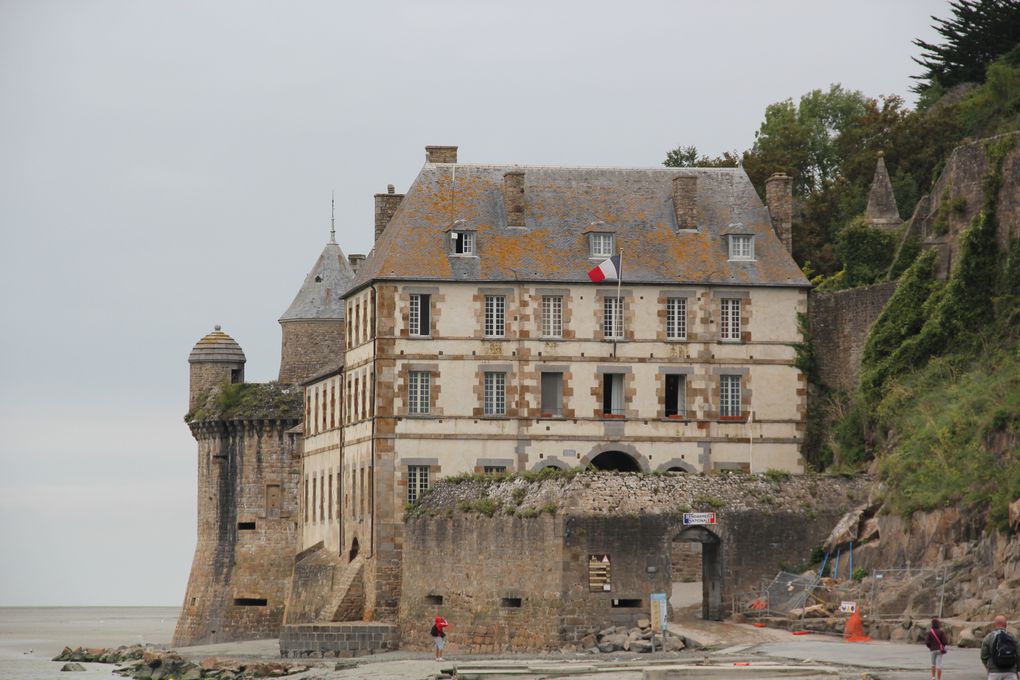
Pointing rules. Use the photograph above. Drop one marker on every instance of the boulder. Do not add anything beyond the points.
(644, 623)
(607, 647)
(641, 646)
(607, 631)
(587, 642)
(72, 666)
(673, 644)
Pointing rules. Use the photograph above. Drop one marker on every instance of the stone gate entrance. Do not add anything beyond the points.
(711, 572)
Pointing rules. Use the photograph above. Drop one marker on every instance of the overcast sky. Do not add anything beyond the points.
(167, 166)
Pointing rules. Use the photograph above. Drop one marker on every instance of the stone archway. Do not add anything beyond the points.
(615, 461)
(711, 568)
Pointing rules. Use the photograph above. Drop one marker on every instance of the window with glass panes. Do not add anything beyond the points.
(741, 247)
(729, 324)
(552, 316)
(729, 396)
(612, 317)
(676, 318)
(676, 396)
(418, 315)
(495, 394)
(552, 394)
(495, 316)
(418, 392)
(417, 481)
(494, 469)
(601, 245)
(464, 242)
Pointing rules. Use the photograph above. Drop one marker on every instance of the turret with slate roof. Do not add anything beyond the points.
(313, 326)
(882, 211)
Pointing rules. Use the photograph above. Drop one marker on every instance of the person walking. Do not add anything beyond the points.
(999, 652)
(439, 636)
(936, 641)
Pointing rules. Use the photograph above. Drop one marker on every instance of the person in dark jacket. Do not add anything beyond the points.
(936, 641)
(999, 671)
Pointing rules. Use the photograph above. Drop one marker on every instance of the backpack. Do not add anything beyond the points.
(933, 641)
(435, 631)
(1004, 651)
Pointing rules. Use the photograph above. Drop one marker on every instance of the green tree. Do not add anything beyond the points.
(688, 157)
(975, 34)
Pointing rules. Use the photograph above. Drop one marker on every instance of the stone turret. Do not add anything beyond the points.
(882, 211)
(313, 326)
(215, 359)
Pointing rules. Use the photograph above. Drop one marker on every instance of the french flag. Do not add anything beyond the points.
(608, 270)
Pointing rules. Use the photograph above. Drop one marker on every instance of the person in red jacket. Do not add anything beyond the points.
(936, 641)
(439, 636)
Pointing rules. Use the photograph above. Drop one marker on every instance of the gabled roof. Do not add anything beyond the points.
(562, 206)
(321, 295)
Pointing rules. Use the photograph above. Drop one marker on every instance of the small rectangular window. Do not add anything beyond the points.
(513, 602)
(552, 394)
(417, 481)
(729, 324)
(495, 316)
(418, 320)
(676, 318)
(418, 392)
(494, 469)
(250, 601)
(729, 396)
(552, 316)
(676, 387)
(627, 604)
(246, 526)
(612, 394)
(495, 394)
(434, 599)
(601, 245)
(612, 318)
(463, 242)
(741, 247)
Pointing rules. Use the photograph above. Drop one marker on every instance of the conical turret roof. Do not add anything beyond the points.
(321, 295)
(882, 210)
(218, 347)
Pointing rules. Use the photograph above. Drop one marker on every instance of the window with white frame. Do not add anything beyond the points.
(612, 318)
(729, 324)
(552, 316)
(729, 396)
(418, 392)
(494, 469)
(495, 394)
(676, 396)
(612, 394)
(417, 481)
(552, 394)
(495, 316)
(741, 247)
(601, 244)
(418, 315)
(676, 318)
(463, 242)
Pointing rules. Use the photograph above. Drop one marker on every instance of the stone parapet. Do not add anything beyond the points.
(337, 639)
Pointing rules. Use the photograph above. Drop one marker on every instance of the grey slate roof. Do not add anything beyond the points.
(563, 204)
(321, 295)
(216, 347)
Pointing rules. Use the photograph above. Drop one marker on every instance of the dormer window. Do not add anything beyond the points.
(601, 244)
(463, 242)
(741, 247)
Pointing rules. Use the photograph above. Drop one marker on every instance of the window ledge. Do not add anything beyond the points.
(730, 341)
(463, 255)
(676, 419)
(417, 337)
(614, 416)
(732, 419)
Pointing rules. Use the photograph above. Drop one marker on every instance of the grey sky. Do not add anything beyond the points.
(165, 166)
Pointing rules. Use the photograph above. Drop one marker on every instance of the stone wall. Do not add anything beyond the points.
(521, 579)
(248, 514)
(840, 322)
(337, 639)
(308, 347)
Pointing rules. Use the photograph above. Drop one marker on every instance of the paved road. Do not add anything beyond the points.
(903, 660)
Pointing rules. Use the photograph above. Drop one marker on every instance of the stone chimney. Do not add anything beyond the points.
(355, 261)
(440, 154)
(685, 201)
(779, 199)
(513, 197)
(385, 205)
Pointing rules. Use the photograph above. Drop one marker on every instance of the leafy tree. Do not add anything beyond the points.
(977, 32)
(688, 157)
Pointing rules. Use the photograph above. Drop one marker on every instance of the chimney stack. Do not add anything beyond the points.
(385, 205)
(685, 201)
(440, 154)
(513, 197)
(355, 261)
(779, 199)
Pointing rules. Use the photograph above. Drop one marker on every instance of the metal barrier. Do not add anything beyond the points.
(777, 597)
(908, 591)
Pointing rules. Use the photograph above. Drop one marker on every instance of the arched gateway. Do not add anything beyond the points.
(711, 568)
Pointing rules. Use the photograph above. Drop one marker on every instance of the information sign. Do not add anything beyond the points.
(599, 572)
(659, 611)
(691, 518)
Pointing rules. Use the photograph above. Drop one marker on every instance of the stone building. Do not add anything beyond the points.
(473, 340)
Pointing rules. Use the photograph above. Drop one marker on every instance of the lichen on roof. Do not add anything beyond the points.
(248, 401)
